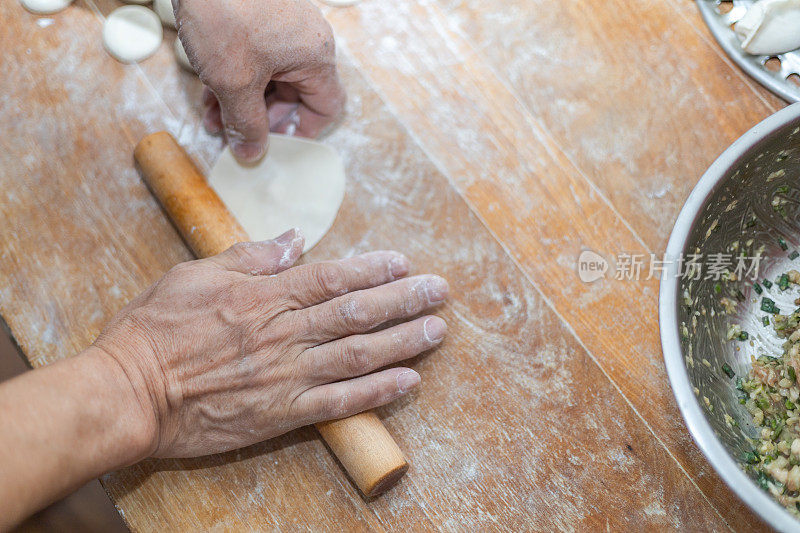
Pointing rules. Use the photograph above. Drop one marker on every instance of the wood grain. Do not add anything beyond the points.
(489, 141)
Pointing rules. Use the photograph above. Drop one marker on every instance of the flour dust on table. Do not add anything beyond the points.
(300, 183)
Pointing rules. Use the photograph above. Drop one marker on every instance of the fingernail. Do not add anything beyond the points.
(434, 329)
(407, 380)
(398, 266)
(287, 238)
(247, 151)
(436, 289)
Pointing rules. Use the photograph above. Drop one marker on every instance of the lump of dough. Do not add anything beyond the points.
(300, 183)
(132, 33)
(770, 27)
(180, 55)
(45, 7)
(164, 10)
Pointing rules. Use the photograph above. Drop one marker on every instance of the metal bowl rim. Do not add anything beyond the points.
(753, 496)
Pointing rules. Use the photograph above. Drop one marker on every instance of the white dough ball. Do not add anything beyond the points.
(180, 55)
(45, 7)
(165, 12)
(132, 33)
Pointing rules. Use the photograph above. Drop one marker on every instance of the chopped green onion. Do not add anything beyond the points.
(758, 288)
(782, 244)
(783, 282)
(728, 370)
(718, 287)
(765, 320)
(768, 306)
(767, 283)
(743, 336)
(789, 405)
(783, 189)
(794, 255)
(750, 457)
(778, 427)
(792, 373)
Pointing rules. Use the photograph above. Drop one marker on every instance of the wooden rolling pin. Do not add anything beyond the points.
(367, 451)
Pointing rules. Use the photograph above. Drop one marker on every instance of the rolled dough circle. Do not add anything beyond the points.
(300, 183)
(180, 55)
(45, 7)
(164, 10)
(132, 33)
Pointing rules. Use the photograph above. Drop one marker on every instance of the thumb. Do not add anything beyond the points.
(244, 117)
(265, 257)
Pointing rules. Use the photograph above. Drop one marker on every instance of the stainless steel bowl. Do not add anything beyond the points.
(732, 211)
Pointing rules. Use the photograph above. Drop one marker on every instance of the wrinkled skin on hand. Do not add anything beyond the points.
(269, 65)
(231, 350)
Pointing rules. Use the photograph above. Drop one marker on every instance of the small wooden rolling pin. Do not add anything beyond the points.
(364, 447)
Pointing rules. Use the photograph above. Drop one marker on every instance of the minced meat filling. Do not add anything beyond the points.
(772, 395)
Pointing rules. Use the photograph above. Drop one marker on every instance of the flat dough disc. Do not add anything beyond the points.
(45, 7)
(180, 55)
(132, 33)
(164, 10)
(300, 183)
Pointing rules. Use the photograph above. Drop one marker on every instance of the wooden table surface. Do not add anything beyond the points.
(490, 140)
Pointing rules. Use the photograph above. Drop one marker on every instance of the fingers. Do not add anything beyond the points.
(212, 118)
(265, 257)
(364, 310)
(321, 100)
(308, 285)
(245, 121)
(360, 354)
(347, 398)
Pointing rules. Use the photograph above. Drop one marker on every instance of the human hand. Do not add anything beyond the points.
(235, 349)
(269, 65)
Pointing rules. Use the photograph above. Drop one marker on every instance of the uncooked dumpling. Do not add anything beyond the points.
(770, 27)
(45, 7)
(132, 33)
(164, 10)
(300, 183)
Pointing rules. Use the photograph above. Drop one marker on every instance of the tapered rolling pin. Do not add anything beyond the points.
(363, 446)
